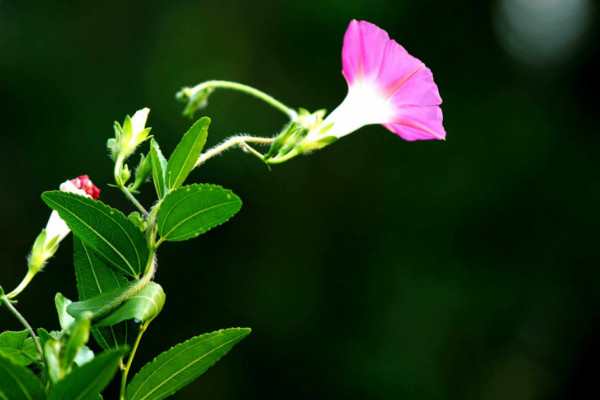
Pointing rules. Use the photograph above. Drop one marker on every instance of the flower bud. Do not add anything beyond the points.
(56, 230)
(130, 135)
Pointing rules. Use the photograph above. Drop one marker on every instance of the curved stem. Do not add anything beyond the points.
(132, 198)
(25, 324)
(118, 166)
(217, 84)
(143, 328)
(231, 142)
(22, 285)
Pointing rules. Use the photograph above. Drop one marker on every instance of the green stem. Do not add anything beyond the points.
(117, 172)
(143, 328)
(22, 285)
(25, 324)
(229, 143)
(132, 198)
(208, 85)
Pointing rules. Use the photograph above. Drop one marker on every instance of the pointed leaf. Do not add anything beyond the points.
(103, 229)
(86, 382)
(18, 348)
(180, 365)
(143, 306)
(94, 278)
(102, 304)
(18, 383)
(159, 168)
(186, 153)
(191, 210)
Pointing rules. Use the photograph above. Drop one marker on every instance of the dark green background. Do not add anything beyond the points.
(373, 269)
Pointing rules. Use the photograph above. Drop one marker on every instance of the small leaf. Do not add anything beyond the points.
(180, 365)
(142, 307)
(86, 382)
(18, 383)
(64, 318)
(191, 210)
(103, 229)
(186, 153)
(159, 168)
(94, 278)
(18, 348)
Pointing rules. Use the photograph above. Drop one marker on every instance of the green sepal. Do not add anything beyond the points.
(142, 172)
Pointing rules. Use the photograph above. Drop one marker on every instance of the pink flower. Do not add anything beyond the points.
(387, 86)
(83, 186)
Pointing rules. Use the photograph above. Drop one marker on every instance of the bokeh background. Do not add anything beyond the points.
(375, 268)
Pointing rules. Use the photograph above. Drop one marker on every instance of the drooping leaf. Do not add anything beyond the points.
(94, 278)
(103, 229)
(86, 382)
(18, 348)
(18, 383)
(186, 153)
(177, 367)
(143, 306)
(159, 168)
(194, 209)
(102, 304)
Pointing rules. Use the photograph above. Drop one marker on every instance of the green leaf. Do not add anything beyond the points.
(103, 229)
(191, 210)
(101, 304)
(86, 382)
(62, 303)
(186, 153)
(180, 365)
(159, 168)
(142, 307)
(18, 348)
(18, 383)
(94, 278)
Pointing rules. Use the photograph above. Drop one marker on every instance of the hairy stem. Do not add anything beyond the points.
(191, 92)
(22, 285)
(229, 143)
(143, 328)
(25, 324)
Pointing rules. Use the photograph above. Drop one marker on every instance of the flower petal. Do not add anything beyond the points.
(363, 51)
(418, 90)
(418, 123)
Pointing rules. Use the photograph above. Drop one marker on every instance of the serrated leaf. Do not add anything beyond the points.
(18, 348)
(177, 367)
(86, 382)
(103, 229)
(94, 278)
(192, 210)
(142, 307)
(18, 383)
(159, 168)
(186, 153)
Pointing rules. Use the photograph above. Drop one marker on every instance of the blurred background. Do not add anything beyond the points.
(373, 269)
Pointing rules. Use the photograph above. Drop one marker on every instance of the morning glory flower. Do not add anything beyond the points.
(56, 229)
(387, 86)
